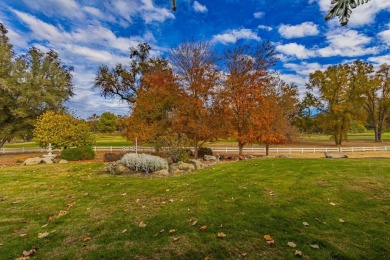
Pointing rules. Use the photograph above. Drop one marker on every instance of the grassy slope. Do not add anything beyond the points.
(231, 198)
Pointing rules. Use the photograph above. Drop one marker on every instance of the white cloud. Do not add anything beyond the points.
(232, 36)
(304, 68)
(68, 8)
(199, 8)
(347, 43)
(296, 50)
(297, 79)
(298, 31)
(258, 15)
(385, 35)
(17, 39)
(265, 27)
(143, 8)
(380, 59)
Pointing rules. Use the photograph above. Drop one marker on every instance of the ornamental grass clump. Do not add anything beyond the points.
(144, 162)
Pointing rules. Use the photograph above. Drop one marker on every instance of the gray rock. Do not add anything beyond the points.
(197, 164)
(32, 161)
(161, 173)
(47, 160)
(335, 155)
(210, 158)
(185, 167)
(117, 168)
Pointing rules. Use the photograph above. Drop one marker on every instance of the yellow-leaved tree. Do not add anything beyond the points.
(62, 131)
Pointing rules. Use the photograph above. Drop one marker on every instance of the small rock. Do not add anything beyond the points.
(62, 161)
(32, 161)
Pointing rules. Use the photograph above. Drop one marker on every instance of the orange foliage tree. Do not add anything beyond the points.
(274, 114)
(194, 65)
(156, 100)
(246, 79)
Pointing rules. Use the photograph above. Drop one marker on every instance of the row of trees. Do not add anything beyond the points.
(193, 97)
(346, 95)
(30, 84)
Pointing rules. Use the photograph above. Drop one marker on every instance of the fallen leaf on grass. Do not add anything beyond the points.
(221, 235)
(202, 228)
(23, 235)
(87, 239)
(161, 231)
(167, 190)
(123, 194)
(207, 258)
(171, 200)
(243, 254)
(315, 246)
(27, 254)
(342, 220)
(291, 244)
(171, 231)
(1, 244)
(298, 253)
(267, 238)
(305, 224)
(142, 224)
(193, 222)
(62, 213)
(124, 231)
(43, 226)
(270, 242)
(332, 203)
(176, 238)
(43, 235)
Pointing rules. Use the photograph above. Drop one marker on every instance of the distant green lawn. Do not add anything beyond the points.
(245, 200)
(117, 139)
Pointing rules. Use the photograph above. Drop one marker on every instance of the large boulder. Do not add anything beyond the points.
(117, 168)
(197, 164)
(187, 167)
(32, 161)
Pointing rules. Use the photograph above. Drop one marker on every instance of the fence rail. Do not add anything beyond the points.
(215, 149)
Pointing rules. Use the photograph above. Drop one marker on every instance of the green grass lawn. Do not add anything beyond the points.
(245, 200)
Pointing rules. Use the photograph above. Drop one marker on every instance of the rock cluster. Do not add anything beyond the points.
(43, 160)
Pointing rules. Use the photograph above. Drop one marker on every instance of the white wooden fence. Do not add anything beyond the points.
(226, 150)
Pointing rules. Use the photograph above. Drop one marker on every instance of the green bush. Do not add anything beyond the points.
(78, 153)
(204, 151)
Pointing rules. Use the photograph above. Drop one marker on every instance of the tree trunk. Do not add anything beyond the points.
(196, 149)
(266, 149)
(376, 133)
(240, 148)
(2, 142)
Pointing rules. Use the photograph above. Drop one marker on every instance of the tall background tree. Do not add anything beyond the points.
(194, 64)
(107, 123)
(124, 82)
(377, 102)
(30, 84)
(339, 101)
(245, 81)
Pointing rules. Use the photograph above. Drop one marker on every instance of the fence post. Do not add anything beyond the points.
(302, 149)
(226, 149)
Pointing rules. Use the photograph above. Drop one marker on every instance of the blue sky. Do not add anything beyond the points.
(89, 33)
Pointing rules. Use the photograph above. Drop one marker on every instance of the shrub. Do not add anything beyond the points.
(144, 162)
(172, 146)
(112, 157)
(78, 153)
(204, 151)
